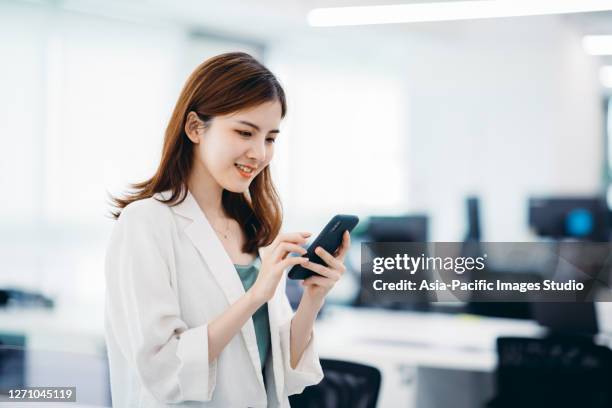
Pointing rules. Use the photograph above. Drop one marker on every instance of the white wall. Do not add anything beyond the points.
(509, 110)
(502, 108)
(84, 102)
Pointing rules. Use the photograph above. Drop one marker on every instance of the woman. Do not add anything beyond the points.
(196, 310)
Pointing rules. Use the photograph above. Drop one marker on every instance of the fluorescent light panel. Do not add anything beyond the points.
(451, 10)
(597, 44)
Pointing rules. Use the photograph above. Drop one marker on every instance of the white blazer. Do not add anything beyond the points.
(167, 276)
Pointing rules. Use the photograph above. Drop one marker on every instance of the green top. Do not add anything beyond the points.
(248, 275)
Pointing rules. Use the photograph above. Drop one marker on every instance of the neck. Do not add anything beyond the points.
(206, 191)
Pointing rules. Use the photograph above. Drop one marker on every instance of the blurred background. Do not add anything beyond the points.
(464, 130)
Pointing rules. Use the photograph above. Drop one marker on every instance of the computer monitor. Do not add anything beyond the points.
(566, 318)
(583, 218)
(407, 228)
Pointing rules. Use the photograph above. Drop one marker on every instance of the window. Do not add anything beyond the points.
(85, 100)
(343, 146)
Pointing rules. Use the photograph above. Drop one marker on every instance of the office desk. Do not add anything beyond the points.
(63, 347)
(422, 339)
(401, 344)
(406, 346)
(63, 328)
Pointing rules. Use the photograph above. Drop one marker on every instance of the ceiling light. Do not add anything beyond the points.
(450, 10)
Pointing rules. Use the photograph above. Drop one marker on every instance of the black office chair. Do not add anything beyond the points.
(345, 385)
(552, 372)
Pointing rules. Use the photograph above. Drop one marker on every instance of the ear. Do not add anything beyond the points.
(193, 124)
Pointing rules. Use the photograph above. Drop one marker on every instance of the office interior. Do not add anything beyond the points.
(467, 130)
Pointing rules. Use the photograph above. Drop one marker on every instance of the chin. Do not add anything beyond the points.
(237, 188)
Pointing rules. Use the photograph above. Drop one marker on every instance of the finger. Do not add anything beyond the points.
(346, 244)
(330, 260)
(295, 237)
(322, 270)
(284, 248)
(282, 237)
(291, 261)
(319, 281)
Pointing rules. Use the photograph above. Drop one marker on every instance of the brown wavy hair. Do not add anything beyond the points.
(221, 85)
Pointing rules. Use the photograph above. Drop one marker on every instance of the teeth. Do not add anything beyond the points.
(244, 168)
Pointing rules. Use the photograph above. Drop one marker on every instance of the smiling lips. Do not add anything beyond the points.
(245, 171)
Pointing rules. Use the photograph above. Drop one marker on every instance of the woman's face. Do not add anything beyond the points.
(237, 147)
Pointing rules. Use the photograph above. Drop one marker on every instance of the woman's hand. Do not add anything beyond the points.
(317, 287)
(274, 260)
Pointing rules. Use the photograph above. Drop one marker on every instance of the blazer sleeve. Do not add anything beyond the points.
(171, 359)
(308, 370)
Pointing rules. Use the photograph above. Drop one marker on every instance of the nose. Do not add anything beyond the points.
(257, 150)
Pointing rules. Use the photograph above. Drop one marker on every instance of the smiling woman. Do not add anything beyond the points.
(228, 137)
(210, 95)
(195, 283)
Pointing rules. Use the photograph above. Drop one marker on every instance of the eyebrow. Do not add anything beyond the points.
(254, 126)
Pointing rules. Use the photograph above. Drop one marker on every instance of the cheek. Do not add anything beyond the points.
(205, 155)
(208, 160)
(215, 156)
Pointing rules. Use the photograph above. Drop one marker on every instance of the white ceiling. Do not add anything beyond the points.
(267, 20)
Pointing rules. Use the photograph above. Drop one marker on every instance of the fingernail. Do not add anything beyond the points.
(306, 234)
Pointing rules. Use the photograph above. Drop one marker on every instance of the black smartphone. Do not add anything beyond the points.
(329, 239)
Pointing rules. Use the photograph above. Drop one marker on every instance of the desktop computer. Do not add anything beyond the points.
(581, 218)
(566, 318)
(407, 228)
(401, 229)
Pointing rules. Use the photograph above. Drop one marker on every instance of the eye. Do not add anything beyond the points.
(271, 140)
(244, 133)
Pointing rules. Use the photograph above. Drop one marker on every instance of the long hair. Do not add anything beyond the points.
(221, 85)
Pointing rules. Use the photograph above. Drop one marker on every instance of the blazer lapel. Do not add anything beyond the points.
(220, 265)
